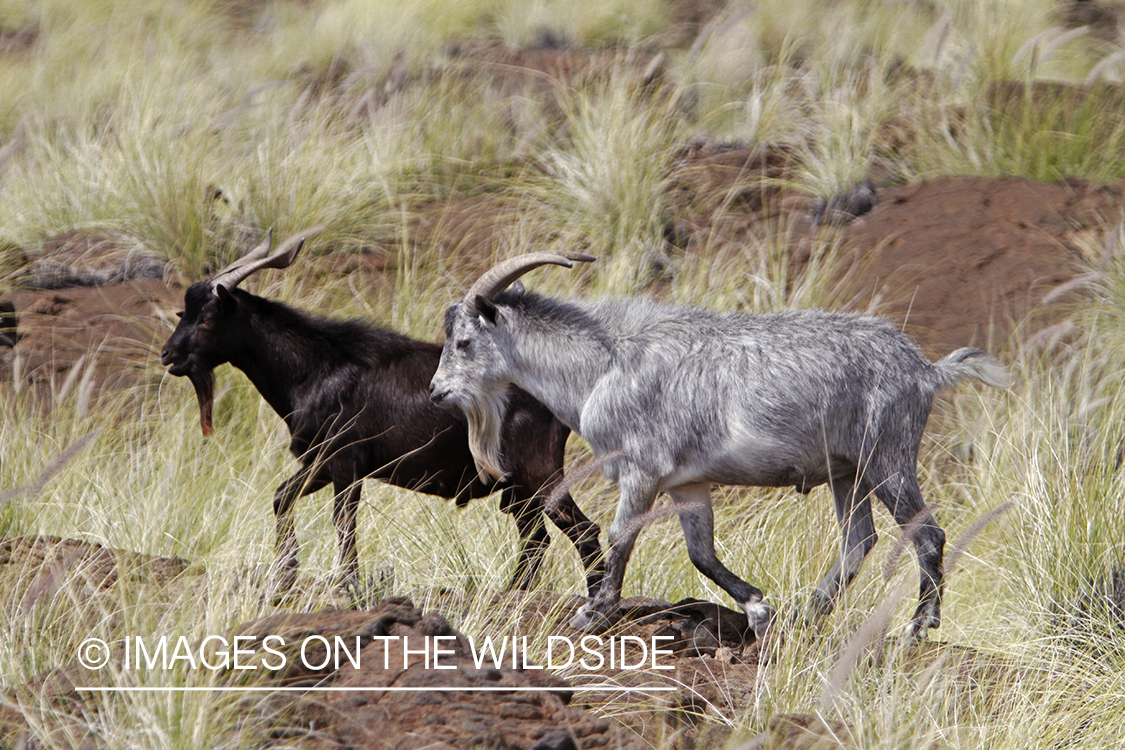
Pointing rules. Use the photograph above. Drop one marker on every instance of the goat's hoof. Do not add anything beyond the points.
(927, 616)
(760, 617)
(917, 629)
(590, 620)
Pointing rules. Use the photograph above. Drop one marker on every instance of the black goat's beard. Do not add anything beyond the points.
(204, 383)
(485, 415)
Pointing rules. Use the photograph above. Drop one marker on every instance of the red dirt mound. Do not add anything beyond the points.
(485, 706)
(92, 313)
(960, 260)
(376, 678)
(963, 259)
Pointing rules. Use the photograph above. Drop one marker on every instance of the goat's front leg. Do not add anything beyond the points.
(533, 536)
(583, 534)
(693, 502)
(637, 496)
(300, 484)
(344, 512)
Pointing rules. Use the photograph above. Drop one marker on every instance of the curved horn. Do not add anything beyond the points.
(261, 251)
(497, 278)
(259, 258)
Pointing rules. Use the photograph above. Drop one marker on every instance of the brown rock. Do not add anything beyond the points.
(403, 700)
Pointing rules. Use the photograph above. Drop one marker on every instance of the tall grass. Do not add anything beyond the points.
(601, 188)
(190, 128)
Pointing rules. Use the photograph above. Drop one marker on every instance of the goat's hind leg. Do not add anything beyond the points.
(903, 498)
(698, 522)
(537, 459)
(534, 539)
(857, 529)
(583, 533)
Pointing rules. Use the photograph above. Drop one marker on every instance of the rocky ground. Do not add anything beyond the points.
(406, 701)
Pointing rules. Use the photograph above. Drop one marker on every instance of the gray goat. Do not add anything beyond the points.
(680, 398)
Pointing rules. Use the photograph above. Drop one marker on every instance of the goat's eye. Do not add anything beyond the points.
(463, 344)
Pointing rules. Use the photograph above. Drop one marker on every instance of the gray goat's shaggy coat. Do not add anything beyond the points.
(689, 398)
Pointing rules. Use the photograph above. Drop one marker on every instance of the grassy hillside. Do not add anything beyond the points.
(190, 127)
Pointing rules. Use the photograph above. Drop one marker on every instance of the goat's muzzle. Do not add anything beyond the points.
(175, 367)
(436, 395)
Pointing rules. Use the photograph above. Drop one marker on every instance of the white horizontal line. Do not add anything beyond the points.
(451, 689)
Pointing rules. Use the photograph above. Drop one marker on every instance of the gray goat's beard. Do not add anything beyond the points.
(486, 421)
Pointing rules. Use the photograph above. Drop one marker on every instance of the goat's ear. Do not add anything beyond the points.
(486, 310)
(227, 301)
(517, 287)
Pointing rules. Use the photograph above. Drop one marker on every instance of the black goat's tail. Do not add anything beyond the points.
(971, 363)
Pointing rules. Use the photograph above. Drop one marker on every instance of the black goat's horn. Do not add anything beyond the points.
(497, 278)
(259, 258)
(261, 251)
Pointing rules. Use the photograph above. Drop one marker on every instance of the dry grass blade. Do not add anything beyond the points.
(52, 469)
(873, 629)
(958, 547)
(50, 580)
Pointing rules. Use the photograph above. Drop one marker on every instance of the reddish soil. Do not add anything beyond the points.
(505, 706)
(92, 314)
(395, 645)
(964, 261)
(117, 330)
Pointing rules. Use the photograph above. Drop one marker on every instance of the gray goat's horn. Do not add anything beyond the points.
(496, 279)
(259, 258)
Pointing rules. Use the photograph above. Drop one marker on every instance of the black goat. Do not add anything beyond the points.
(356, 401)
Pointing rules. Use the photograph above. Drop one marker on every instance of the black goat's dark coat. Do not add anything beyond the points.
(355, 399)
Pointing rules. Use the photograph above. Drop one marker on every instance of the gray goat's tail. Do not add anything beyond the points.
(971, 363)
